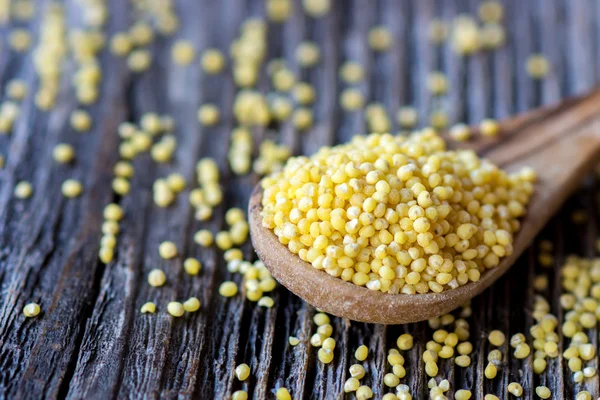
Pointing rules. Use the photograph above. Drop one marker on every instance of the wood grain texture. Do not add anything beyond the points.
(90, 340)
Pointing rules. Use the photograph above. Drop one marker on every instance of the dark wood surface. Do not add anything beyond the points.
(90, 341)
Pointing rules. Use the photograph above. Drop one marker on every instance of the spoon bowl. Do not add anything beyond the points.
(561, 143)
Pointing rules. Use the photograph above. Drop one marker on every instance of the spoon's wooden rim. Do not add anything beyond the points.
(345, 299)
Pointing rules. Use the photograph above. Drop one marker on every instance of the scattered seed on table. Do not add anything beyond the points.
(156, 278)
(23, 190)
(148, 307)
(71, 188)
(175, 308)
(31, 310)
(167, 250)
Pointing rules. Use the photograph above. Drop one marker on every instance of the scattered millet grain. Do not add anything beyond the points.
(192, 266)
(489, 127)
(493, 36)
(405, 341)
(283, 394)
(212, 61)
(182, 52)
(407, 117)
(228, 289)
(139, 60)
(491, 11)
(316, 8)
(460, 132)
(325, 355)
(302, 118)
(303, 93)
(175, 308)
(156, 278)
(463, 361)
(148, 308)
(438, 31)
(16, 89)
(465, 35)
(113, 212)
(242, 372)
(308, 54)
(543, 392)
(515, 389)
(167, 250)
(496, 338)
(23, 190)
(437, 83)
(191, 305)
(204, 238)
(31, 310)
(278, 10)
(71, 188)
(293, 341)
(209, 115)
(351, 385)
(537, 66)
(380, 38)
(351, 99)
(391, 380)
(357, 371)
(120, 44)
(462, 394)
(351, 72)
(266, 301)
(361, 353)
(364, 392)
(81, 120)
(490, 371)
(583, 395)
(239, 395)
(63, 153)
(19, 40)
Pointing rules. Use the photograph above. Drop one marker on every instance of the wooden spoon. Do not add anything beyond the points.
(560, 143)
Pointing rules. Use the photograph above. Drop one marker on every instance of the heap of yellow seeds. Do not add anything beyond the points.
(397, 214)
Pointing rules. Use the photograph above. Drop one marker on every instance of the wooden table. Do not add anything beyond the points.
(91, 341)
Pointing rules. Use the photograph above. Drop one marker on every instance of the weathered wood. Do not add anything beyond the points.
(91, 341)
